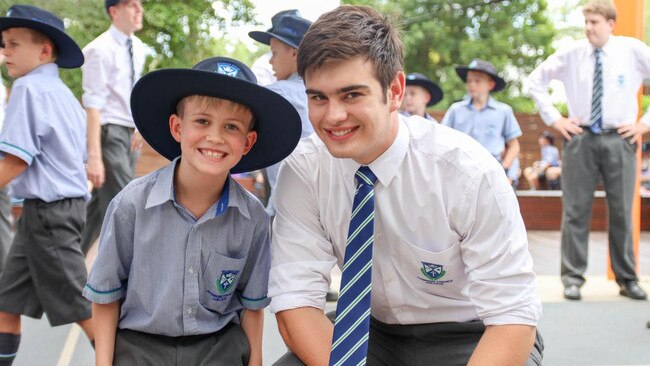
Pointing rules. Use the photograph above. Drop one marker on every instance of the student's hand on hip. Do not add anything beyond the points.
(95, 172)
(136, 141)
(567, 127)
(633, 132)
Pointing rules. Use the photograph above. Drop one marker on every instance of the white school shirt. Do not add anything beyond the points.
(626, 62)
(106, 75)
(449, 243)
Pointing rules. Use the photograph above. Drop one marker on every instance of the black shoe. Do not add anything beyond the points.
(332, 296)
(632, 290)
(572, 292)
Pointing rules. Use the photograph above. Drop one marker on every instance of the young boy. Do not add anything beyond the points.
(489, 122)
(548, 169)
(420, 93)
(182, 270)
(42, 150)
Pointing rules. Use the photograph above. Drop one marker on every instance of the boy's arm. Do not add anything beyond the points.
(10, 167)
(308, 333)
(504, 345)
(105, 318)
(253, 323)
(512, 150)
(95, 168)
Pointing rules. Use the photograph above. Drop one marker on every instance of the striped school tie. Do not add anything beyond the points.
(129, 45)
(350, 342)
(596, 120)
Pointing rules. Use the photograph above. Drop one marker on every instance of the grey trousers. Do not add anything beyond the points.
(447, 344)
(229, 346)
(586, 157)
(119, 165)
(6, 236)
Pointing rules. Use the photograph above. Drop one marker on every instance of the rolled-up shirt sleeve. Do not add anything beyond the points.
(552, 68)
(95, 78)
(495, 252)
(108, 278)
(301, 255)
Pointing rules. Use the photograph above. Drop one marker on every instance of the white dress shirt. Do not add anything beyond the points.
(106, 75)
(441, 200)
(626, 62)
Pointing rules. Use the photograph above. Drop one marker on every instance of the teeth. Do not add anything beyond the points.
(341, 133)
(213, 154)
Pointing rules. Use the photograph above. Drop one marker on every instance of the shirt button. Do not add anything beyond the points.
(191, 270)
(188, 311)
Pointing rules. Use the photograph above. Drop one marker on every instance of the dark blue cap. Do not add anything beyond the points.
(484, 67)
(415, 78)
(69, 54)
(155, 96)
(288, 28)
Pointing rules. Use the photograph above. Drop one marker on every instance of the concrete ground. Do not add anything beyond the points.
(602, 329)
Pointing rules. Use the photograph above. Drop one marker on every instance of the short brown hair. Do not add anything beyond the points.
(204, 101)
(601, 7)
(348, 32)
(39, 37)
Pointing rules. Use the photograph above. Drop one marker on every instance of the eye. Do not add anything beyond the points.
(202, 121)
(232, 127)
(352, 95)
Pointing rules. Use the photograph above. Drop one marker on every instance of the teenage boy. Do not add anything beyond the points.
(43, 151)
(491, 123)
(114, 62)
(451, 254)
(601, 135)
(287, 30)
(182, 270)
(420, 94)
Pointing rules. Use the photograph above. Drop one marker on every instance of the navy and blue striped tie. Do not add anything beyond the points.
(350, 342)
(596, 120)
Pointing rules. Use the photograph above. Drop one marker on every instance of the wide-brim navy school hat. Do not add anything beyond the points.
(290, 29)
(417, 79)
(69, 55)
(484, 67)
(155, 96)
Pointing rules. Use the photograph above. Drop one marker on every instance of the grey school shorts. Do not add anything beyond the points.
(229, 346)
(45, 270)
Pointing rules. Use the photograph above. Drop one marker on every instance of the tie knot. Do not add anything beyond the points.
(366, 176)
(129, 42)
(598, 51)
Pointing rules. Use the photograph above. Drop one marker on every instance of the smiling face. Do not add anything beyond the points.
(214, 134)
(598, 29)
(283, 59)
(350, 112)
(23, 52)
(127, 16)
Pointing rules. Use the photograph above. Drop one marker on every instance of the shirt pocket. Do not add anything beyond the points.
(433, 273)
(219, 281)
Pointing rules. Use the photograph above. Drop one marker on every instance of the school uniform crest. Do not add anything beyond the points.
(432, 271)
(225, 281)
(227, 69)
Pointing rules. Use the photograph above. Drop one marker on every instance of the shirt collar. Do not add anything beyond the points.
(490, 103)
(386, 166)
(163, 191)
(119, 36)
(294, 76)
(48, 69)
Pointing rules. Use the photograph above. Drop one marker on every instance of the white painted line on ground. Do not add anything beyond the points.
(69, 346)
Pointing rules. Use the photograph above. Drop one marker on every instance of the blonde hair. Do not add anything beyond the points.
(600, 7)
(204, 102)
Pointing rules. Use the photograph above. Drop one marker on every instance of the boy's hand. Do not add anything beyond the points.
(95, 171)
(633, 132)
(567, 127)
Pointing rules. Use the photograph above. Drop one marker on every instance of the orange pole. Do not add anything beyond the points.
(629, 22)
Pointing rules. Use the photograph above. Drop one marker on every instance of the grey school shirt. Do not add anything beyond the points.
(178, 275)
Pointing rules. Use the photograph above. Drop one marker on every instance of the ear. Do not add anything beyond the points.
(251, 137)
(294, 54)
(396, 89)
(47, 52)
(492, 84)
(175, 127)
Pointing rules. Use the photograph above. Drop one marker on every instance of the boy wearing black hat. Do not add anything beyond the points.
(420, 93)
(287, 30)
(182, 270)
(42, 152)
(491, 123)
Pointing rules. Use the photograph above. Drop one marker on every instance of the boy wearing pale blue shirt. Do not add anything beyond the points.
(42, 154)
(491, 123)
(182, 271)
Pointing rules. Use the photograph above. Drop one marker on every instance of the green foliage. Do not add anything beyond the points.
(180, 33)
(515, 35)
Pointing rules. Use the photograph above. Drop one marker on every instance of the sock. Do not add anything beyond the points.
(8, 348)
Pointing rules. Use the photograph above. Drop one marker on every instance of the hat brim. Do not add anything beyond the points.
(69, 54)
(433, 89)
(154, 99)
(500, 83)
(265, 37)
